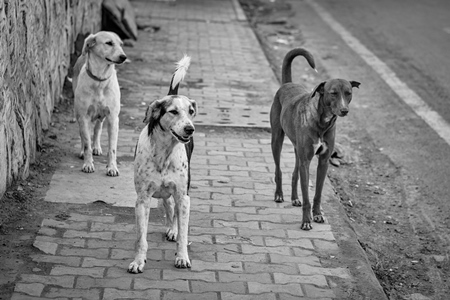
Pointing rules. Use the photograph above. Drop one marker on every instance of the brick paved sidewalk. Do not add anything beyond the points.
(243, 244)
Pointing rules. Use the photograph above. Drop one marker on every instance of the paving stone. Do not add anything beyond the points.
(273, 232)
(190, 296)
(80, 217)
(193, 230)
(232, 277)
(55, 259)
(201, 286)
(315, 292)
(47, 231)
(62, 270)
(234, 257)
(85, 234)
(111, 293)
(258, 288)
(32, 289)
(177, 285)
(303, 243)
(318, 280)
(224, 239)
(98, 253)
(84, 282)
(208, 276)
(233, 296)
(63, 281)
(307, 258)
(61, 241)
(152, 274)
(66, 225)
(336, 272)
(46, 247)
(215, 266)
(91, 294)
(89, 262)
(250, 249)
(252, 267)
(97, 226)
(311, 234)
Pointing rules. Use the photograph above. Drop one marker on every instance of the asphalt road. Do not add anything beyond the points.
(413, 40)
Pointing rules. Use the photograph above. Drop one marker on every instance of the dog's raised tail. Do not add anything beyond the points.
(286, 74)
(178, 76)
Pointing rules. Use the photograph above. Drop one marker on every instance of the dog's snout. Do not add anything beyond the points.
(122, 57)
(344, 111)
(189, 129)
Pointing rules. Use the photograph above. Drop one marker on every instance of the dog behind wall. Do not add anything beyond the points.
(309, 121)
(162, 168)
(97, 96)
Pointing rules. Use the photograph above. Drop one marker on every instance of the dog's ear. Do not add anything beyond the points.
(318, 89)
(355, 84)
(89, 42)
(153, 114)
(194, 106)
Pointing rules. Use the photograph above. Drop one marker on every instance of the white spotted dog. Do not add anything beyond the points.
(162, 168)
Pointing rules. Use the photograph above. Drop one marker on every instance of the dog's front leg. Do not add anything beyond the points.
(85, 135)
(113, 132)
(322, 169)
(171, 220)
(97, 149)
(182, 211)
(142, 211)
(304, 184)
(294, 194)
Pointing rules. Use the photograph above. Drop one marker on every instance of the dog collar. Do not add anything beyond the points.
(96, 78)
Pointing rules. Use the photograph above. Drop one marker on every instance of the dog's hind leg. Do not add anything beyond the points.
(97, 148)
(277, 146)
(294, 195)
(171, 221)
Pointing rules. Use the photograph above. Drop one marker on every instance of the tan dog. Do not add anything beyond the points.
(162, 169)
(309, 121)
(97, 96)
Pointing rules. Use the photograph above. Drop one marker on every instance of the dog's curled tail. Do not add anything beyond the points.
(178, 76)
(286, 75)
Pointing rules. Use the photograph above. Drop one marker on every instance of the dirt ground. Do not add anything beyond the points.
(405, 258)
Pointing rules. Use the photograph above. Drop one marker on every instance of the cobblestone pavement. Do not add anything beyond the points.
(243, 245)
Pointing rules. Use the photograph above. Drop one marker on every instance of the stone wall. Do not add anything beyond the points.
(36, 40)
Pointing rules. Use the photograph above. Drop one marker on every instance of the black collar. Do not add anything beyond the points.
(93, 76)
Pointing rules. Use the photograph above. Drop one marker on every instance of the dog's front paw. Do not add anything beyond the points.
(306, 226)
(88, 167)
(112, 171)
(137, 266)
(97, 151)
(296, 202)
(279, 198)
(171, 235)
(319, 219)
(182, 262)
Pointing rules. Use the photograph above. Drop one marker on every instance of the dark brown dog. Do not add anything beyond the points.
(309, 121)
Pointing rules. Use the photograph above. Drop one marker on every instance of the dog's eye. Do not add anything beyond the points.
(191, 111)
(348, 93)
(109, 43)
(174, 112)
